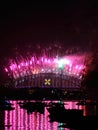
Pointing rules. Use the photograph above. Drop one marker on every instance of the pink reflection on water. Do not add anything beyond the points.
(20, 120)
(14, 116)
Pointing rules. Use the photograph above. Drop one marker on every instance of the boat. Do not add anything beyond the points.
(57, 112)
(37, 106)
(5, 104)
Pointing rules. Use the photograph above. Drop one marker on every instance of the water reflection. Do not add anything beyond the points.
(19, 119)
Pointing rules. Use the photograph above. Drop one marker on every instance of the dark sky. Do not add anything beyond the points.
(73, 23)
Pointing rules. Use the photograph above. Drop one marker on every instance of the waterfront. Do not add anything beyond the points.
(18, 119)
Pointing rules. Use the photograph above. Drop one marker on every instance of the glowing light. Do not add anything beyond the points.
(45, 60)
(42, 59)
(76, 67)
(26, 63)
(22, 64)
(47, 81)
(42, 70)
(49, 61)
(61, 64)
(55, 60)
(30, 62)
(11, 68)
(19, 66)
(6, 69)
(66, 61)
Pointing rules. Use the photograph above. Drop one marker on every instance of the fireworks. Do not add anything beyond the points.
(46, 63)
(70, 65)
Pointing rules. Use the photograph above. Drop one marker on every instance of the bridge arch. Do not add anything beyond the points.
(49, 80)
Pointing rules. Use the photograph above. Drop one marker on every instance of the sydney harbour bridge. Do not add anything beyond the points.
(48, 74)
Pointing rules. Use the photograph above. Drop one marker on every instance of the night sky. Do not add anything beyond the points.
(23, 23)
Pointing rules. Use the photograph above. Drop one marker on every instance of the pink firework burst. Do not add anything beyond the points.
(49, 61)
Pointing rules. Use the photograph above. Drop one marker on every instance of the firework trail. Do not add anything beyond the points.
(52, 59)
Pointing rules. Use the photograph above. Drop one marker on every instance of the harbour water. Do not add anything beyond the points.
(19, 119)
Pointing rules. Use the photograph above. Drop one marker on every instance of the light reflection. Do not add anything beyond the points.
(18, 119)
